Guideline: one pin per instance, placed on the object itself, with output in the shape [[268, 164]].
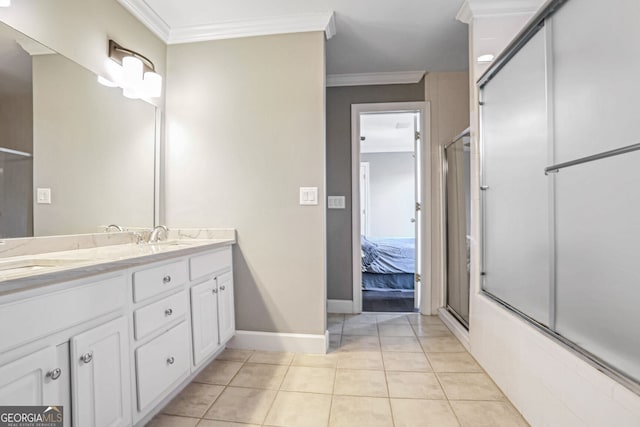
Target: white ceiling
[[372, 36], [387, 132]]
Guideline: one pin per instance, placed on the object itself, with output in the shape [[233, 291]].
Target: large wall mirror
[[74, 155]]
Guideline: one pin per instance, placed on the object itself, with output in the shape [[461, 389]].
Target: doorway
[[387, 160]]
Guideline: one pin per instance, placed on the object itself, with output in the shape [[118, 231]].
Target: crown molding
[[255, 27], [301, 23], [141, 10], [366, 79], [482, 8]]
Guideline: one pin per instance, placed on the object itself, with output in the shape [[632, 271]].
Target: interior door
[[418, 210]]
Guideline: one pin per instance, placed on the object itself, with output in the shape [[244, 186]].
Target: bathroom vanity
[[112, 333]]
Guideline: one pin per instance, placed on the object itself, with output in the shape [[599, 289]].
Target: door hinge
[[418, 277], [418, 206], [417, 135]]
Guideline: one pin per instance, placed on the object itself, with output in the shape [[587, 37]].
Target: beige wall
[[339, 235], [245, 130], [448, 93], [93, 148], [80, 29]]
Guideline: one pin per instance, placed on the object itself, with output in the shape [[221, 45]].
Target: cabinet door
[[226, 311], [204, 314], [101, 376], [33, 380]]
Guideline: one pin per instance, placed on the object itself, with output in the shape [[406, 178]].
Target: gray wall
[[339, 100], [245, 120], [392, 194]]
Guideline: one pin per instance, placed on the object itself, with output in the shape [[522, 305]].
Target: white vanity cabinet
[[160, 347], [39, 378], [100, 376], [212, 304], [61, 349], [204, 323], [113, 348]]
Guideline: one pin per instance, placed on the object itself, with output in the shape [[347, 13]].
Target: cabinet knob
[[222, 288], [170, 360], [168, 312], [87, 357], [166, 279], [215, 291], [54, 374]]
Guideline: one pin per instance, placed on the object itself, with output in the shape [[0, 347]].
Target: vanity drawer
[[29, 319], [202, 265], [159, 279], [159, 314], [160, 363]]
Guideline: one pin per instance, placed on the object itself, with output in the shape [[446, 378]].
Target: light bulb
[[5, 3], [131, 72], [152, 85], [106, 82], [131, 93]]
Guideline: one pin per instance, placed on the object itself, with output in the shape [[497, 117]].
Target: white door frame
[[367, 197], [425, 163]]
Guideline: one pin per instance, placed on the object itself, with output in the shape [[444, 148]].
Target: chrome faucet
[[113, 226], [155, 233]]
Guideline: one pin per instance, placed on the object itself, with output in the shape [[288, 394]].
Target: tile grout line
[[225, 386]]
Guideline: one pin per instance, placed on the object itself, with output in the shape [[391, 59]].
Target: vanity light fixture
[[5, 3], [133, 72]]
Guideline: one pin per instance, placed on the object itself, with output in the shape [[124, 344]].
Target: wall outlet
[[336, 202]]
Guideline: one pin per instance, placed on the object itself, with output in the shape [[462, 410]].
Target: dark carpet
[[387, 301]]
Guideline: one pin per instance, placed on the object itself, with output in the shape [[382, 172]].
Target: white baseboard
[[274, 341], [339, 306], [455, 327]]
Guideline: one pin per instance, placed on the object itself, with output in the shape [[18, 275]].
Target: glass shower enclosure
[[560, 150], [457, 214]]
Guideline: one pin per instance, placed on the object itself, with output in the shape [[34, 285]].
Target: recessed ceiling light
[[482, 59]]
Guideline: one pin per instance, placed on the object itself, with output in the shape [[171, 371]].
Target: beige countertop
[[36, 270]]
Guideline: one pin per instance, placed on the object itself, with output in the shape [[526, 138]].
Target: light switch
[[308, 195], [336, 202], [43, 196]]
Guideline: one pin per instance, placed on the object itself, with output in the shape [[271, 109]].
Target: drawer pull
[[222, 288], [54, 374], [215, 291], [168, 312], [166, 279], [170, 360], [86, 358]]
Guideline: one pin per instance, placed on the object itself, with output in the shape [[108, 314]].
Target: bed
[[388, 264]]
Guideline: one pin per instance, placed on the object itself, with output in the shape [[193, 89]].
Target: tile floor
[[395, 370]]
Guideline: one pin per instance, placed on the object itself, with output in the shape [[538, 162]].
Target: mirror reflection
[[75, 156]]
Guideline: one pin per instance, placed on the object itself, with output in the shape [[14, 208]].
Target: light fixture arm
[[117, 52]]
